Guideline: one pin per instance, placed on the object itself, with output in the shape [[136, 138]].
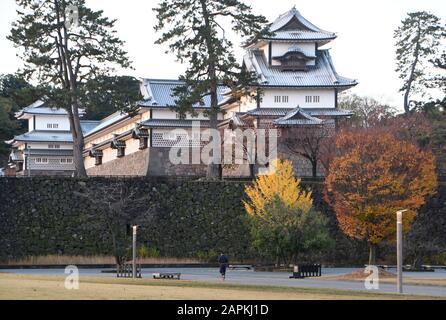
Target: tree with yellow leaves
[[374, 176], [283, 221]]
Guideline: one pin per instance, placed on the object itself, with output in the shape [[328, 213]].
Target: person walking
[[223, 262]]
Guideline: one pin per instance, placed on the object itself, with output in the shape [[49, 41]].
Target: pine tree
[[195, 32], [418, 40], [62, 57]]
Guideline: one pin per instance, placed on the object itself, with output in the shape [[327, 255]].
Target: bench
[[302, 271], [167, 275], [125, 270], [240, 266]]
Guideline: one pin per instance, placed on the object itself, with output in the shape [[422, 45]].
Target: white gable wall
[[62, 121], [31, 124], [280, 48], [297, 97], [44, 145]]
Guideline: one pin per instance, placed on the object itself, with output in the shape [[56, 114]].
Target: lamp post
[[399, 249], [134, 252]]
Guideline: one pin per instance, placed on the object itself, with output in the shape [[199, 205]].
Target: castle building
[[299, 87], [47, 148]]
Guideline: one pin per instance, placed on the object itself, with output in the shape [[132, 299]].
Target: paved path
[[249, 277]]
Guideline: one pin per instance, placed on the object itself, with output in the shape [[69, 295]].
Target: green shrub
[[207, 256], [148, 252]]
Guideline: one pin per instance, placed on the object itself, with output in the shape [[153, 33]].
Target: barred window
[[66, 161], [312, 99], [41, 160]]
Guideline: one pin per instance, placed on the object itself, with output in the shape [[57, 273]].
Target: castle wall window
[[312, 99], [281, 99], [41, 160], [54, 146], [121, 152], [66, 161], [143, 143], [52, 126], [98, 160]]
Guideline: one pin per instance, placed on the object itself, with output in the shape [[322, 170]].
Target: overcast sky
[[363, 50]]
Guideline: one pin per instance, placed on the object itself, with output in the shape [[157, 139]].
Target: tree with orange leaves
[[373, 176]]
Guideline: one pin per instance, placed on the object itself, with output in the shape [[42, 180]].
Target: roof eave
[[330, 38]]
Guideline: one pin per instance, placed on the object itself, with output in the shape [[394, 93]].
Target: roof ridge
[[162, 80], [326, 56]]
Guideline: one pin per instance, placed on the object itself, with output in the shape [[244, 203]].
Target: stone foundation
[[160, 165], [134, 164], [155, 162], [152, 162]]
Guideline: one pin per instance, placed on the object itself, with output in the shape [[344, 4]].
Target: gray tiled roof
[[297, 117], [115, 117], [45, 136], [45, 111], [159, 93], [50, 152], [307, 31], [280, 112], [89, 125], [302, 36], [284, 123], [323, 74], [39, 108], [173, 123]]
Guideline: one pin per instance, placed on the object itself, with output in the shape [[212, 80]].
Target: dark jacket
[[222, 259]]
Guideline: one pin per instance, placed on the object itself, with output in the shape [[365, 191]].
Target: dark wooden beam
[[270, 52], [336, 98]]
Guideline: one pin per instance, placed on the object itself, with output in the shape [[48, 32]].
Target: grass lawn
[[14, 286], [388, 277], [411, 281]]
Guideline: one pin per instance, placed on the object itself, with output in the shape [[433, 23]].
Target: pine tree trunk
[[372, 254], [78, 146], [78, 142], [412, 75], [214, 167]]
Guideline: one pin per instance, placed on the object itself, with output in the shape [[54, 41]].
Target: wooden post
[[399, 249], [134, 253]]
